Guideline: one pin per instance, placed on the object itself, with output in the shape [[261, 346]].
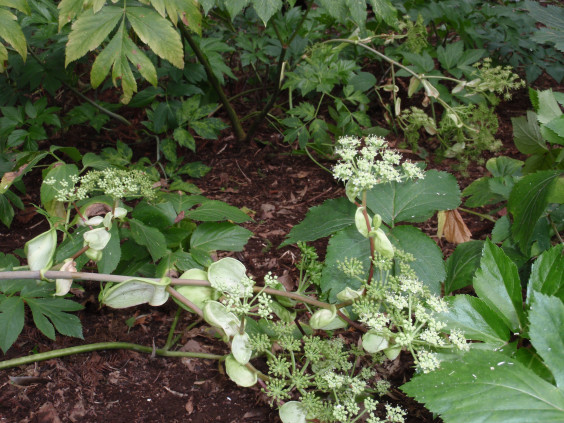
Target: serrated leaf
[[68, 9], [546, 320], [475, 319], [157, 33], [526, 134], [414, 201], [56, 310], [20, 5], [487, 386], [357, 11], [497, 283], [266, 9], [12, 318], [235, 6], [219, 236], [462, 265], [150, 237], [527, 202], [428, 265], [557, 125], [547, 274], [184, 138], [548, 107], [90, 30], [345, 244], [450, 56], [12, 33], [215, 211], [321, 221]]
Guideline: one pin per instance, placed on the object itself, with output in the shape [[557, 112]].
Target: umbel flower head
[[364, 165]]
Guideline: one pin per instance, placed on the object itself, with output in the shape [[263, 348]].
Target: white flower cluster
[[361, 169]]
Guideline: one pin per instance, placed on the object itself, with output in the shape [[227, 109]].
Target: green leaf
[[150, 237], [546, 319], [20, 5], [526, 134], [428, 265], [6, 211], [158, 216], [479, 193], [527, 203], [487, 386], [208, 128], [90, 30], [548, 107], [12, 318], [68, 9], [321, 221], [462, 265], [266, 8], [475, 319], [547, 274], [63, 177], [157, 33], [215, 211], [384, 10], [187, 10], [557, 125], [111, 254], [219, 236], [11, 32], [345, 244], [184, 139], [414, 201], [357, 11], [497, 283], [235, 6], [184, 202], [450, 56]]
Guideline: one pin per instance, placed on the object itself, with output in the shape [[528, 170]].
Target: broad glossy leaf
[[211, 236], [321, 221], [12, 318], [475, 319], [462, 265], [12, 33], [90, 30], [487, 386], [414, 201], [216, 211], [547, 274], [527, 203], [150, 237], [428, 265], [497, 283], [159, 215], [157, 33], [546, 318]]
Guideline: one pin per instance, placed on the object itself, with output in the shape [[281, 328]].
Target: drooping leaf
[[266, 8], [158, 33], [12, 33], [462, 265], [321, 221], [56, 310], [475, 319], [497, 283], [414, 201], [235, 6], [526, 134], [527, 202], [150, 237], [428, 265], [90, 30], [212, 236], [546, 318], [487, 386], [547, 274], [12, 318]]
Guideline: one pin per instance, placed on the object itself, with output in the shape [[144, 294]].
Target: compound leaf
[[56, 310], [11, 32], [12, 318]]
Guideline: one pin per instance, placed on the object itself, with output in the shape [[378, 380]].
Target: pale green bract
[[241, 348], [373, 342], [135, 292], [239, 373], [217, 315], [292, 412], [41, 249], [228, 275], [198, 295]]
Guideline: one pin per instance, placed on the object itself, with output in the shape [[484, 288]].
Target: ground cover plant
[[357, 298]]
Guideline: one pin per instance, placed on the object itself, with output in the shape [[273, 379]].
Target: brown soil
[[279, 186]]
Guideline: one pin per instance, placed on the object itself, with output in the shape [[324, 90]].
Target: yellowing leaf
[[157, 33], [20, 5], [454, 229], [11, 32], [68, 9], [90, 30]]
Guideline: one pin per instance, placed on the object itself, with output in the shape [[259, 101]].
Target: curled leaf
[[217, 315], [241, 348], [62, 286], [382, 244], [360, 222], [372, 342], [227, 275], [196, 294], [453, 227], [239, 373], [134, 292], [41, 249], [292, 412]]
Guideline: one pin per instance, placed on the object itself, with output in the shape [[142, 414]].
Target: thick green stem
[[103, 346], [233, 117]]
